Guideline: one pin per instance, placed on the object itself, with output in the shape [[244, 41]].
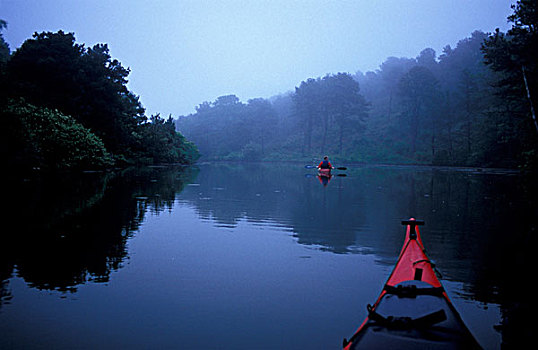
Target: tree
[[391, 71], [346, 105], [53, 71], [306, 101], [262, 118], [4, 47], [226, 100], [218, 128], [333, 100], [513, 56], [79, 89], [4, 57], [418, 89], [465, 82], [35, 137], [163, 144], [428, 58]]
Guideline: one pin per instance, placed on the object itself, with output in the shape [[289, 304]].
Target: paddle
[[315, 166]]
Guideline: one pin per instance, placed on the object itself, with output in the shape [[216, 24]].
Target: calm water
[[235, 256]]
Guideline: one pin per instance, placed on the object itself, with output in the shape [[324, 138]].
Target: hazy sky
[[184, 52]]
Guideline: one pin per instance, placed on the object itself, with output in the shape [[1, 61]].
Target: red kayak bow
[[413, 310]]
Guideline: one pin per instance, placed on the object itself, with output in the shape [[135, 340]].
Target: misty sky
[[184, 52]]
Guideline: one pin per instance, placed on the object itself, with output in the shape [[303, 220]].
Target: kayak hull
[[413, 310], [324, 172]]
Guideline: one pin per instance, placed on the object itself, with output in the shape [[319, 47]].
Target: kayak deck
[[413, 311], [324, 172]]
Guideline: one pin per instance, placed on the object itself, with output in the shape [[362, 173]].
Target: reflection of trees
[[279, 195], [480, 231], [478, 225], [468, 214], [319, 218], [5, 293], [72, 231]]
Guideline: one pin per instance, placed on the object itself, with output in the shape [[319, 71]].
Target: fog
[[182, 53]]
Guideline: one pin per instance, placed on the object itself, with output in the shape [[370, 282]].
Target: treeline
[[467, 106], [289, 126], [65, 106], [439, 110]]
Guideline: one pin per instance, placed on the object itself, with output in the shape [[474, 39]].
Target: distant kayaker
[[325, 164]]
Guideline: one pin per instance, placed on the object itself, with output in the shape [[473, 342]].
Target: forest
[[67, 107], [470, 105]]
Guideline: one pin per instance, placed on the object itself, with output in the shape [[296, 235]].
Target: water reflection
[[479, 225], [477, 221], [73, 230]]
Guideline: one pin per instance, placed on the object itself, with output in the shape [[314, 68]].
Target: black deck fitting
[[413, 223]]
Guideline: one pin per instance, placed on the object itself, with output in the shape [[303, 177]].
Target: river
[[248, 255]]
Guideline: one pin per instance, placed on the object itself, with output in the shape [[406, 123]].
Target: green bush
[[160, 142], [47, 139]]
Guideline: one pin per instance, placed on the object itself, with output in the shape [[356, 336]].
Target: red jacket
[[327, 166]]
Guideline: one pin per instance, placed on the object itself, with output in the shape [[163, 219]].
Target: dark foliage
[[471, 106], [230, 129], [46, 139], [82, 91], [513, 57]]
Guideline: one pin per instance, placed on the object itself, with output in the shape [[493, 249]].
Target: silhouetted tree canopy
[[468, 106], [513, 56], [230, 129], [4, 47], [4, 57], [472, 105], [52, 73]]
